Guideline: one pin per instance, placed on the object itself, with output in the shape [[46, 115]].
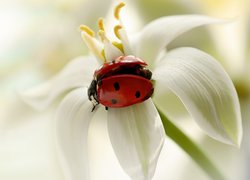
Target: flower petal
[[159, 33], [94, 46], [125, 40], [137, 136], [77, 73], [72, 123], [111, 52], [205, 89]]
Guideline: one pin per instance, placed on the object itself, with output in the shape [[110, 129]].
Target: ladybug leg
[[93, 108], [106, 108], [95, 102]]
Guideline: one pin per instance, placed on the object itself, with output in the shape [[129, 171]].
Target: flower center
[[103, 48], [122, 80]]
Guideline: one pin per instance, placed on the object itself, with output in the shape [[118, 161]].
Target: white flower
[[136, 132]]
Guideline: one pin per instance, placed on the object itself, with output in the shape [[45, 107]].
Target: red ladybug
[[120, 83]]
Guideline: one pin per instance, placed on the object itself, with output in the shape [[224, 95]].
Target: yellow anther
[[101, 24], [116, 31], [118, 45], [118, 9], [87, 30]]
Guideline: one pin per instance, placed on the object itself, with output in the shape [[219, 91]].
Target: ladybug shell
[[123, 90], [119, 63]]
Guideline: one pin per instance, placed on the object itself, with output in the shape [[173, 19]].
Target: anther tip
[[118, 9], [87, 30], [116, 31], [101, 24]]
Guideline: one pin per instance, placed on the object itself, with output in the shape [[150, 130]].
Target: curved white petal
[[72, 123], [77, 73], [125, 40], [94, 46], [159, 33], [111, 52], [137, 136], [205, 89]]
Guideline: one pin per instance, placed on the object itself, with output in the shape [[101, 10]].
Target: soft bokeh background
[[37, 38]]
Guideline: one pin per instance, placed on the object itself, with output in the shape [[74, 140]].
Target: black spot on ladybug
[[114, 101], [137, 94], [99, 83], [116, 86]]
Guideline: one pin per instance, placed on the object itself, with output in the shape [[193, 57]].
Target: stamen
[[101, 24], [102, 35], [118, 45], [103, 54], [88, 30], [118, 9], [116, 31], [93, 44]]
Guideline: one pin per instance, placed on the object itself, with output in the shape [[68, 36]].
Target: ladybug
[[122, 82]]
